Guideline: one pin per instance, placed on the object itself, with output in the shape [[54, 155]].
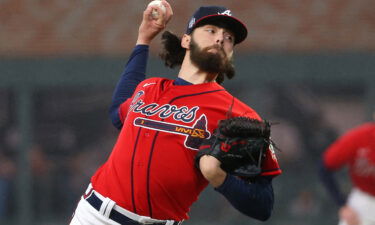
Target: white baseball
[[158, 3]]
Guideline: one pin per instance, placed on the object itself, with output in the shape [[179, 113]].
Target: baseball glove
[[240, 144]]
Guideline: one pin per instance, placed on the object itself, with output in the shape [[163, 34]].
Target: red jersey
[[356, 149], [151, 169]]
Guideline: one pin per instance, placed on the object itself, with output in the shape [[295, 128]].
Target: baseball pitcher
[[178, 136]]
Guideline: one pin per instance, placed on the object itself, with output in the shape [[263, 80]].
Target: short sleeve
[[343, 150]]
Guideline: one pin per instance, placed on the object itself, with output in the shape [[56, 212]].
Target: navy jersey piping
[[153, 147], [148, 174], [132, 171]]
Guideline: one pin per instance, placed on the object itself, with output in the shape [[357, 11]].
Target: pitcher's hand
[[150, 27]]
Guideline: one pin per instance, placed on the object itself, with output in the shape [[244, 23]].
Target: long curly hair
[[173, 53]]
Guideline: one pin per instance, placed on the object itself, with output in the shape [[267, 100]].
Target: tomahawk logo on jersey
[[154, 115]]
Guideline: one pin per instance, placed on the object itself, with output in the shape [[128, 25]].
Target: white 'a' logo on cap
[[226, 12], [191, 23]]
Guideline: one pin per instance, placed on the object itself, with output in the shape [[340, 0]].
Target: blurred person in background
[[8, 170], [150, 176], [7, 175], [355, 149]]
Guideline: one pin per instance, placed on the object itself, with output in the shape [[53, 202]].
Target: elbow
[[265, 215], [262, 211], [264, 207], [117, 124], [115, 117], [261, 215]]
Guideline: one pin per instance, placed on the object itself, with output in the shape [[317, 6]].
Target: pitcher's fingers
[[147, 14], [161, 19], [168, 11]]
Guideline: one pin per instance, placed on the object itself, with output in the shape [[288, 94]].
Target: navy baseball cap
[[214, 14]]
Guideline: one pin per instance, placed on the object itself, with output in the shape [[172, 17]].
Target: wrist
[[142, 41], [210, 169]]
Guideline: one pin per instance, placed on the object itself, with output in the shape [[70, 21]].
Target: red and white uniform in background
[[151, 168], [357, 150]]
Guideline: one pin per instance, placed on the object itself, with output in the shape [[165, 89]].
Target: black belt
[[115, 215]]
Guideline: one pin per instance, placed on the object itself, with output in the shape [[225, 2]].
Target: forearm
[[331, 184], [133, 74], [136, 67], [252, 199]]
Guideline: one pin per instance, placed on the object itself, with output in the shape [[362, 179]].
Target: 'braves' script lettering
[[182, 113]]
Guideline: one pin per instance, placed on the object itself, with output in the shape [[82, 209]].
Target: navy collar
[[180, 81]]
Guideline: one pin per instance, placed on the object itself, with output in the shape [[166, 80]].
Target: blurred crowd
[[69, 142]]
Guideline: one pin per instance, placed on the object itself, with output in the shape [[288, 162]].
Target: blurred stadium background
[[308, 64]]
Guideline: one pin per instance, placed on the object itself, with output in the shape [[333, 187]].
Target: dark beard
[[213, 63]]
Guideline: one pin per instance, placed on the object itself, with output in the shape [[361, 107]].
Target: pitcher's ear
[[185, 41]]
